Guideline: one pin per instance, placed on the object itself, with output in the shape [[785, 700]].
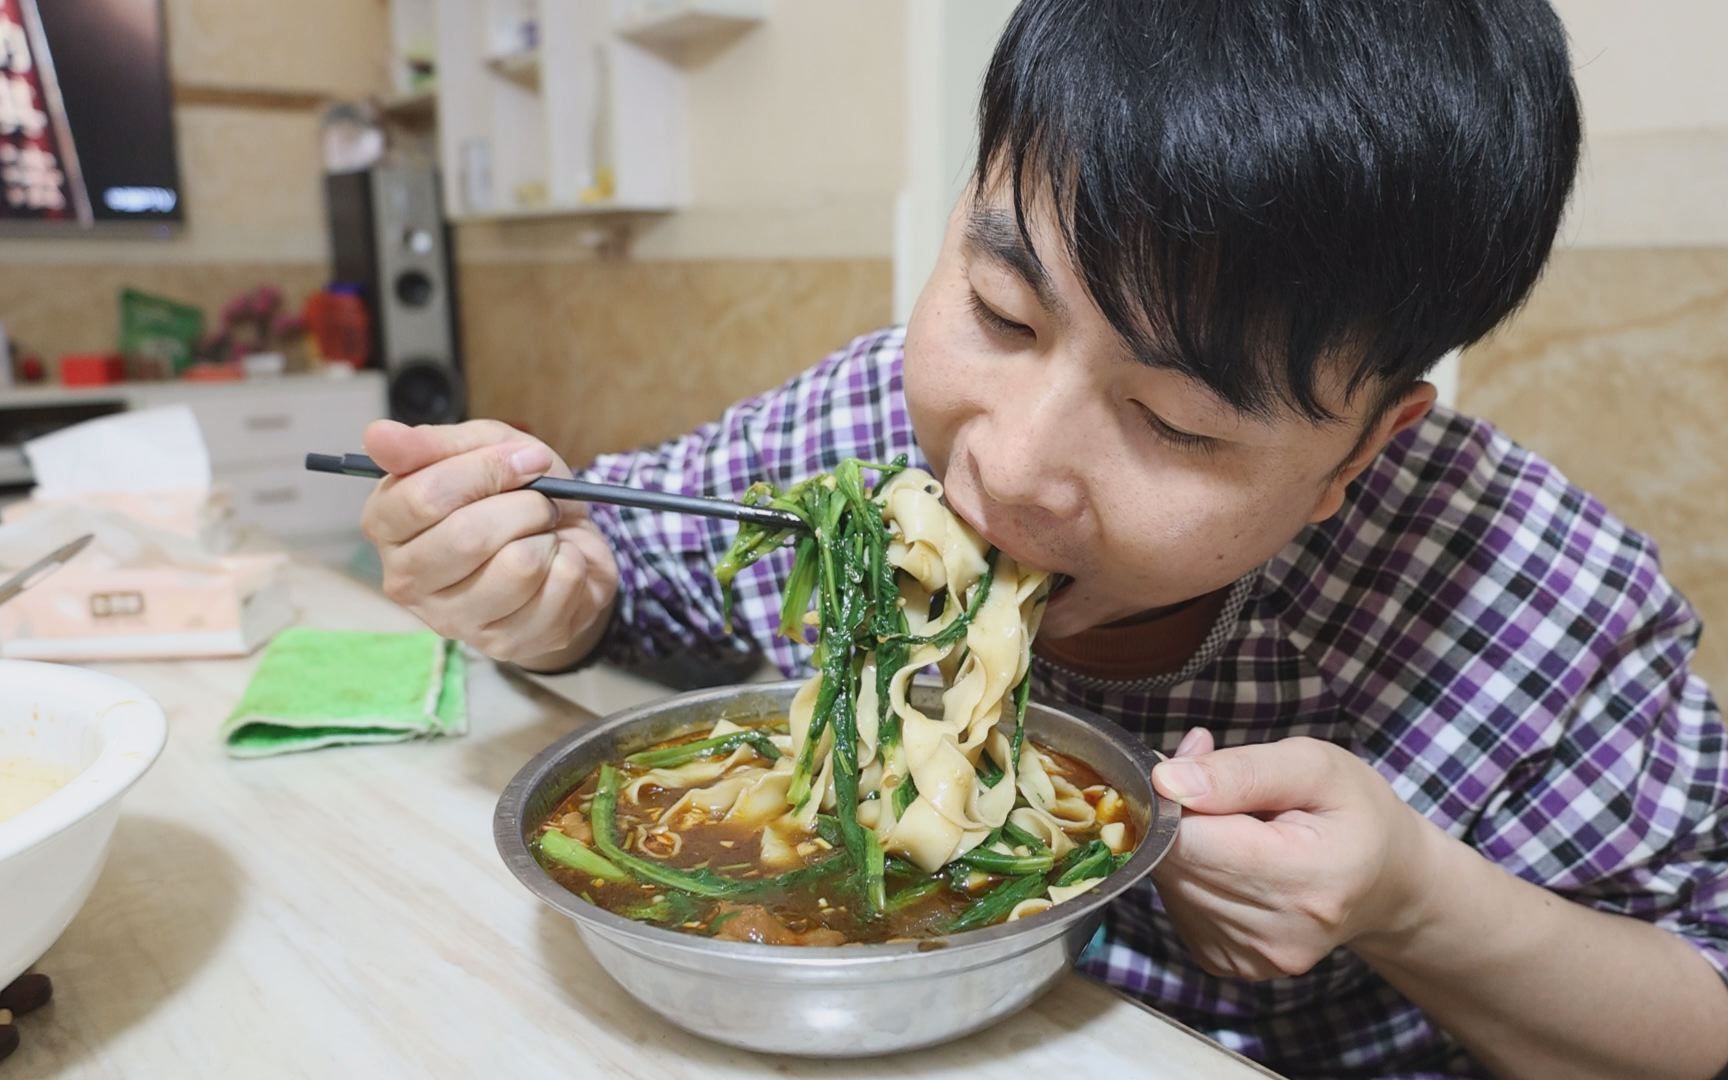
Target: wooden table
[[343, 913]]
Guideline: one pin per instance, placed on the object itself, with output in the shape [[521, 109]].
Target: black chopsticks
[[583, 491]]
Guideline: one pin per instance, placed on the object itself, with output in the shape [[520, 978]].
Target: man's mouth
[[1059, 580], [1059, 604]]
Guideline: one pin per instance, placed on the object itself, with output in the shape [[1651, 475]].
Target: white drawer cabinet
[[258, 433], [268, 429], [294, 504]]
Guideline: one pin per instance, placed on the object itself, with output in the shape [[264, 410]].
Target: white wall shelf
[[605, 209], [565, 107], [522, 67], [547, 108], [417, 108], [671, 24]]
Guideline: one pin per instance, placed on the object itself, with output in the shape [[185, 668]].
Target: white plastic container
[[107, 733]]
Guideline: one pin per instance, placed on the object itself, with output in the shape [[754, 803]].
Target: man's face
[[1071, 455]]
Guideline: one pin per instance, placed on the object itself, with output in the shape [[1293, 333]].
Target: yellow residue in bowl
[[24, 782]]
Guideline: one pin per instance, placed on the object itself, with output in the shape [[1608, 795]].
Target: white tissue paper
[[150, 465], [146, 450], [159, 578]]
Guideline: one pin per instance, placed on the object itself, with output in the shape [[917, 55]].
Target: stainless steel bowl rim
[[509, 834], [796, 970]]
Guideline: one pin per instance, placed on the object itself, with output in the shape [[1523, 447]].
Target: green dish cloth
[[334, 687]]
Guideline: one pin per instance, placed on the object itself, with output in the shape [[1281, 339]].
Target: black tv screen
[[86, 113]]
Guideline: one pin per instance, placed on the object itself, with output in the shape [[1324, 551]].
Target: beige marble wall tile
[[1652, 189], [805, 105], [602, 356], [1617, 371], [57, 309], [335, 47], [844, 225], [253, 183]]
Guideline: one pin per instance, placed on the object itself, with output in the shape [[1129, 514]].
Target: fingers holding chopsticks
[[436, 471], [576, 587], [401, 449], [478, 559], [472, 535]]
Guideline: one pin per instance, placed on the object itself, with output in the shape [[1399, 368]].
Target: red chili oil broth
[[825, 912]]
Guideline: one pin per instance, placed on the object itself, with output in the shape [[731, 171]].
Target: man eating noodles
[[1455, 803]]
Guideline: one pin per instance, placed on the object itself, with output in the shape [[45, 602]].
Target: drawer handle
[[268, 422], [276, 496]]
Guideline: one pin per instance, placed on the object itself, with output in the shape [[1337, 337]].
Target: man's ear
[[1406, 412]]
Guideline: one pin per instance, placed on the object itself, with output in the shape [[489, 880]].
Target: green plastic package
[[158, 337]]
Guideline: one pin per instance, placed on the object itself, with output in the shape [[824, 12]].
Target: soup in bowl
[[791, 978]]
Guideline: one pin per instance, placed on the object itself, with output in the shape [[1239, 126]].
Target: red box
[[92, 369]]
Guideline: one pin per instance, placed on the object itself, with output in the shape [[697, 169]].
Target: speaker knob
[[426, 391], [414, 288]]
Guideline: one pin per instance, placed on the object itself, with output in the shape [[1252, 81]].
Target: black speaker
[[388, 237]]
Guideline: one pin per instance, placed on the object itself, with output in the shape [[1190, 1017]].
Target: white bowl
[[106, 732]]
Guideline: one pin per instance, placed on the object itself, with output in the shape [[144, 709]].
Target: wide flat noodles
[[954, 811], [1057, 894], [937, 555], [764, 798], [713, 800], [730, 782], [997, 654], [822, 784], [1052, 794], [931, 543], [691, 774], [1044, 827]]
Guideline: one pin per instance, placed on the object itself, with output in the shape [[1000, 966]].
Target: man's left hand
[[1286, 851]]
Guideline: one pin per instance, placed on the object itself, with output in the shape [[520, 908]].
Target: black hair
[[1249, 188]]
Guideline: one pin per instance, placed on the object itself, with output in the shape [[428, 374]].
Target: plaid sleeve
[[669, 604], [1626, 810]]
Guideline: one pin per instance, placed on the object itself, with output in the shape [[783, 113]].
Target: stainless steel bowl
[[848, 1000]]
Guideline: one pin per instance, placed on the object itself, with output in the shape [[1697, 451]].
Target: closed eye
[[1175, 436], [995, 320]]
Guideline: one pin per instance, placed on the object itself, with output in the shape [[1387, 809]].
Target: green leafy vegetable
[[670, 756], [668, 908], [912, 895], [904, 793], [1018, 837], [997, 903], [995, 862], [899, 867], [989, 773], [828, 828], [1091, 861], [574, 854], [1022, 695]]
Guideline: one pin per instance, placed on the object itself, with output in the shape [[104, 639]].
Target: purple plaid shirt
[[1502, 650]]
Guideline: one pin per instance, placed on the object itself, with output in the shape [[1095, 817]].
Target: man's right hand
[[520, 577]]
